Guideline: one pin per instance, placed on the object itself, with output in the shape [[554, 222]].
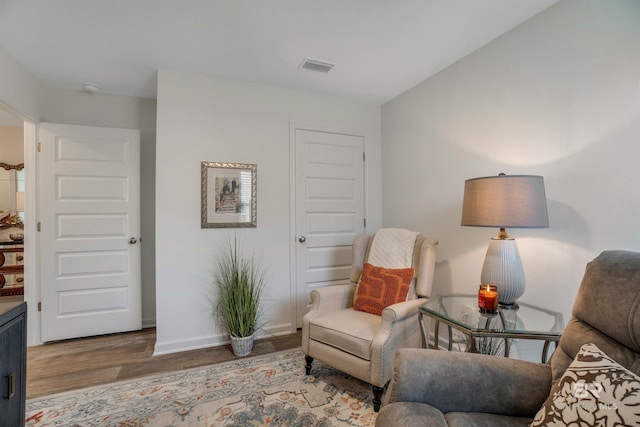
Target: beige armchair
[[360, 343]]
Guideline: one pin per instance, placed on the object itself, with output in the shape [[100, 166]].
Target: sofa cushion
[[349, 330], [619, 273], [380, 287], [410, 414], [483, 419], [594, 390]]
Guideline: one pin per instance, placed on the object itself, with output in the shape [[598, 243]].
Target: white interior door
[[89, 199], [329, 205]]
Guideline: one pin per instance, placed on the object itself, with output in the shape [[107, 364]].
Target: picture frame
[[228, 195]]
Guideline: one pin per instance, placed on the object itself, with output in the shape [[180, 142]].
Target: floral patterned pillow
[[593, 391]]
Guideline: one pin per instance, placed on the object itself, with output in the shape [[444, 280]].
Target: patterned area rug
[[256, 391]]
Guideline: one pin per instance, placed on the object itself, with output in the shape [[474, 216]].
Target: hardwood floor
[[72, 364]]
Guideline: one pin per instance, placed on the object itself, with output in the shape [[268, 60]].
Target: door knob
[[133, 241], [302, 239]]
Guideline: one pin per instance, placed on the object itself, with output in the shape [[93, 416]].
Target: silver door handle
[[133, 241], [302, 239]]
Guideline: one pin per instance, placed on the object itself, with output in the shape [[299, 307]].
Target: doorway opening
[[12, 196], [19, 123]]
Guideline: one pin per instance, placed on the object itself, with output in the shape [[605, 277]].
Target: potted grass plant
[[239, 282]]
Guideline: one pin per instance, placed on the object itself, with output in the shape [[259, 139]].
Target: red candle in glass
[[488, 298]]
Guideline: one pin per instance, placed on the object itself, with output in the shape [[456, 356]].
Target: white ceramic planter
[[241, 346]]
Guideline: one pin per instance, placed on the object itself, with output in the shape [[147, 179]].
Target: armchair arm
[[402, 310], [398, 328], [324, 300], [331, 298], [467, 382]]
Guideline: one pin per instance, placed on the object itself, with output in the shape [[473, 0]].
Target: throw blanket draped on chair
[[392, 248]]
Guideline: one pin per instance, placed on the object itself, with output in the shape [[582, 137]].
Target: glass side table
[[484, 332]]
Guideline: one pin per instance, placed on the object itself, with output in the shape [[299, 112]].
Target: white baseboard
[[196, 343], [176, 346]]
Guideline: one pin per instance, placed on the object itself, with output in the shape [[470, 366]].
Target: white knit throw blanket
[[392, 248]]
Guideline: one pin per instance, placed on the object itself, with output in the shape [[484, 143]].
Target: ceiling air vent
[[316, 65]]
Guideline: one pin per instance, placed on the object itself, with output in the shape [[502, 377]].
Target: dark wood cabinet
[[13, 363]]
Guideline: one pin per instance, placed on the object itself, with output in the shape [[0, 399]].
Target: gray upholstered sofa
[[438, 388]]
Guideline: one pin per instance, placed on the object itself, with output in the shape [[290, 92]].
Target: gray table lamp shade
[[505, 201]]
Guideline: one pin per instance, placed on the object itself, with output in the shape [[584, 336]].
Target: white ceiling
[[381, 48]]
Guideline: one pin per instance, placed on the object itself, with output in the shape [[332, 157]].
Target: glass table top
[[462, 311]]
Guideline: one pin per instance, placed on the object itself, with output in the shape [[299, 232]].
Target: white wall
[[80, 108], [202, 118], [19, 89], [558, 96]]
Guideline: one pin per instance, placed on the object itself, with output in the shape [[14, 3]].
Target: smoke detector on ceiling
[[91, 87], [316, 65]]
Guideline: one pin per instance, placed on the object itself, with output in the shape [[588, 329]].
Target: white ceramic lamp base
[[503, 268]]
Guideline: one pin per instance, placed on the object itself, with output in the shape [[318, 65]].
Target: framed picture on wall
[[228, 196]]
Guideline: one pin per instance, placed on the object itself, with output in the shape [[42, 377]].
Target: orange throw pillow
[[380, 287]]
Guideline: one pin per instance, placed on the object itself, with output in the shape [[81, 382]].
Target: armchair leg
[[307, 367], [377, 397]]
